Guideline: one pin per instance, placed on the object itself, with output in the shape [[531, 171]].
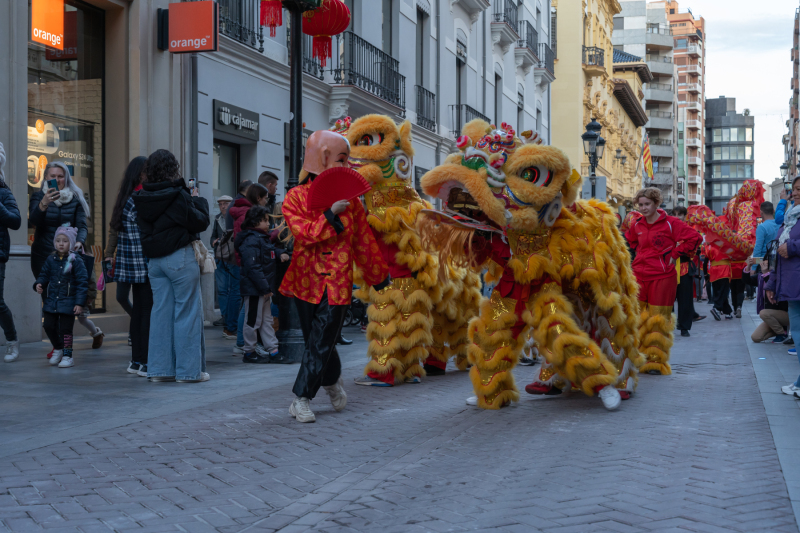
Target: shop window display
[[65, 112]]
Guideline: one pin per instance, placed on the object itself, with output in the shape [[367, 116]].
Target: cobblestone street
[[710, 448]]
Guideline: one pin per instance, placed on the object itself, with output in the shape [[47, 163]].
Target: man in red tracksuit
[[658, 240]]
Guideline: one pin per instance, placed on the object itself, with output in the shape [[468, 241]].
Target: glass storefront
[[226, 171], [65, 111]]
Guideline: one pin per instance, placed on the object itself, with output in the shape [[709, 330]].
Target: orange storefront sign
[[193, 27], [47, 22]]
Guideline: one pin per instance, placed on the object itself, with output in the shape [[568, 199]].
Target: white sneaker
[[12, 352], [472, 400], [238, 350], [56, 358], [790, 389], [301, 410], [66, 362], [610, 396], [337, 394], [204, 376], [261, 351]]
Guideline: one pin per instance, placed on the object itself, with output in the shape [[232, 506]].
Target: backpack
[[224, 250]]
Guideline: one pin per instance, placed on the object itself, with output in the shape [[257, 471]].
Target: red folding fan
[[335, 184]]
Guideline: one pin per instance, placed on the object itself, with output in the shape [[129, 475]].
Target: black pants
[[721, 289], [685, 303], [140, 321], [321, 324], [737, 292], [59, 330]]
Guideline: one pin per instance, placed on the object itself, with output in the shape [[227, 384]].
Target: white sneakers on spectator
[[12, 352], [66, 362], [301, 410], [610, 396], [238, 350], [56, 357], [337, 394], [790, 389]]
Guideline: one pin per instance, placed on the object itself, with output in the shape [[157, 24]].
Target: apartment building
[[642, 29], [793, 124], [689, 57], [609, 85], [730, 154], [437, 63]]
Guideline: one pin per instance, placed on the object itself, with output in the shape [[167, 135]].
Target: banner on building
[[648, 160]]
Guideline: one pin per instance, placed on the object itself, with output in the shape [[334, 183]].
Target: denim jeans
[[230, 299], [794, 327], [6, 318], [177, 344], [240, 330]]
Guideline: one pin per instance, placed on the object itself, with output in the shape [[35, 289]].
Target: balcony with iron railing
[[460, 114], [239, 20], [545, 70], [594, 59], [527, 46], [426, 108], [361, 64], [505, 23]]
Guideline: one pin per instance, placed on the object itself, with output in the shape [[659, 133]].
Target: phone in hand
[[52, 184], [191, 183]]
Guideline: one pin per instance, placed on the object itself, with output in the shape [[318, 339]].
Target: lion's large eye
[[370, 139], [537, 175]]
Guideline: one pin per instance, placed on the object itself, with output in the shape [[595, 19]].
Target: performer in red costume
[[658, 241], [320, 277]]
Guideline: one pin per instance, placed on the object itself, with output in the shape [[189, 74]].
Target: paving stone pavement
[[689, 452]]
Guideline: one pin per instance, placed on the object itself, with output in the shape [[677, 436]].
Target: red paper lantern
[[271, 15], [332, 18]]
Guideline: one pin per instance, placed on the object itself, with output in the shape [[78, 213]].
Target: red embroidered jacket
[[325, 249]]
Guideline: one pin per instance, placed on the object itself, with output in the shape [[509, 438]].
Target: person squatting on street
[[131, 265], [658, 240], [63, 284], [782, 285], [170, 218], [258, 284], [10, 218], [320, 277]]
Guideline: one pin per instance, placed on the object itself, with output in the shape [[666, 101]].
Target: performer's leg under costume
[[722, 287], [685, 303], [656, 298], [399, 331], [320, 367], [737, 293]]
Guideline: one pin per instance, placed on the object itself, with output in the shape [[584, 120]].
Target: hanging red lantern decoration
[[332, 18], [271, 15]]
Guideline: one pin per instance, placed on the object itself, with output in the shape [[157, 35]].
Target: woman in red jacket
[[658, 240]]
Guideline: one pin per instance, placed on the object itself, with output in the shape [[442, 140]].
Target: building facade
[[611, 92], [793, 124], [642, 29], [112, 94], [689, 56], [729, 151]]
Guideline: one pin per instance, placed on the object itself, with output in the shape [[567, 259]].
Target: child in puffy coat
[[63, 282], [257, 284]]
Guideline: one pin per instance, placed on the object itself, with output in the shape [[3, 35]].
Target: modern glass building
[[729, 151]]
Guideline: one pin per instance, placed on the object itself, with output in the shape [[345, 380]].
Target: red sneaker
[[51, 353], [625, 395]]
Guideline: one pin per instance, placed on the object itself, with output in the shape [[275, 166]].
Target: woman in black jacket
[[50, 209], [170, 217], [9, 219]]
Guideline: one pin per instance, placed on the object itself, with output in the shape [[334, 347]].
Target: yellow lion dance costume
[[417, 323], [564, 270]]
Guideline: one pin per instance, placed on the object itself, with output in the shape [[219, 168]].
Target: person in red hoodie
[[658, 240]]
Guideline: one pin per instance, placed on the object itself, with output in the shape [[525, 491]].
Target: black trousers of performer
[[686, 312], [737, 293], [320, 367], [140, 321], [722, 287]]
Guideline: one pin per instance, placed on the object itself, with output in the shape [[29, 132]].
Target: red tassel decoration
[[322, 48], [271, 15]]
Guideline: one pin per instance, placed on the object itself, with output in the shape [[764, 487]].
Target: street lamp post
[[593, 146]]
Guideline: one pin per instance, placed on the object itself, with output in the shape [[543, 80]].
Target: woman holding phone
[[59, 203]]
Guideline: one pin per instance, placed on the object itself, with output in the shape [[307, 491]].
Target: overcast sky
[[748, 57]]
